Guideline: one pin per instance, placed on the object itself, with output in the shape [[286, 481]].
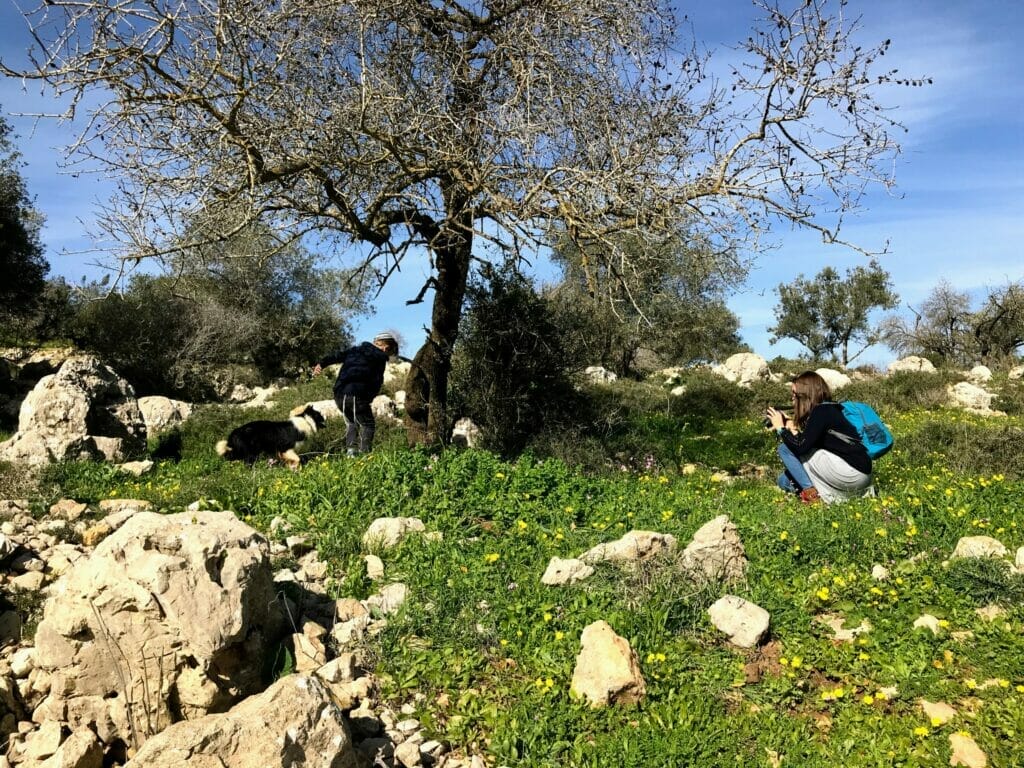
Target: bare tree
[[412, 125]]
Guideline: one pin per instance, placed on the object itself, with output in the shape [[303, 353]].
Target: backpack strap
[[845, 438]]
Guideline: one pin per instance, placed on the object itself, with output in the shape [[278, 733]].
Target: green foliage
[[247, 306], [669, 304], [510, 370], [829, 313], [22, 264], [492, 650]]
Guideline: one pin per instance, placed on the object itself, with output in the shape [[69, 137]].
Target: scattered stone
[[912, 364], [937, 712], [294, 722], [633, 547], [716, 554], [607, 669], [385, 409], [979, 546], [991, 612], [979, 374], [678, 391], [745, 623], [94, 534], [570, 571], [408, 754], [841, 634], [880, 572], [310, 651], [970, 397], [836, 380], [123, 508], [340, 670], [162, 413], [80, 750], [298, 545], [1018, 560], [465, 433], [599, 375], [1017, 372], [347, 608], [374, 567], [386, 532], [43, 742], [928, 622], [28, 582], [23, 662], [388, 600], [136, 468], [966, 752], [68, 509]]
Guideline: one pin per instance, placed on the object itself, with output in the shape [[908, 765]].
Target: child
[[360, 380]]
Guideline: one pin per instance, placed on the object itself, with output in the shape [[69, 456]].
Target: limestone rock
[[293, 723], [466, 433], [385, 409], [387, 532], [68, 509], [966, 752], [937, 712], [927, 621], [716, 553], [162, 413], [839, 633], [162, 595], [80, 750], [568, 571], [912, 364], [84, 411], [607, 669], [599, 375], [836, 380], [970, 397], [388, 600], [1015, 373], [744, 368], [633, 547], [979, 374], [395, 373], [745, 623], [136, 468], [979, 546]]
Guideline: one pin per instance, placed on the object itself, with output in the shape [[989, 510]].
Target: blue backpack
[[874, 435]]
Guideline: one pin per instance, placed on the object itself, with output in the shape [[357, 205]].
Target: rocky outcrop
[[970, 397], [836, 380], [292, 723], [744, 368], [84, 411], [912, 364], [170, 617], [163, 413]]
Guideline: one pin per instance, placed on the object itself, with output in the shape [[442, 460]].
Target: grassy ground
[[492, 650]]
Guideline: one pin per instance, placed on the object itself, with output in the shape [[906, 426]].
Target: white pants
[[835, 479]]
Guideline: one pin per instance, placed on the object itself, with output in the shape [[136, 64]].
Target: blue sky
[[956, 213]]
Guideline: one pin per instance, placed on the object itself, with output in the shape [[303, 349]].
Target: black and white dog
[[278, 438]]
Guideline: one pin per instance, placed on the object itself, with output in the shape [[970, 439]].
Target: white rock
[[567, 571], [969, 397], [466, 433], [745, 623], [928, 621], [386, 532], [836, 380], [632, 547], [599, 375], [607, 670], [979, 546], [879, 572], [744, 368], [912, 364], [979, 374], [716, 553]]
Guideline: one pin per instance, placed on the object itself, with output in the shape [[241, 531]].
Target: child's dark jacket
[[362, 370]]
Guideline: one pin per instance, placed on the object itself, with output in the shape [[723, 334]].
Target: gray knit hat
[[386, 336]]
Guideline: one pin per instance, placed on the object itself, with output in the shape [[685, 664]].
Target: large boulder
[[170, 618], [911, 364], [836, 380], [970, 397], [293, 723], [84, 411], [162, 413], [744, 368]]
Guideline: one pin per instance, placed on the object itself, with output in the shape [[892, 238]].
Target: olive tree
[[434, 127], [829, 313]]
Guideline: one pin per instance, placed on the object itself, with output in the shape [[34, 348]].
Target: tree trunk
[[452, 251]]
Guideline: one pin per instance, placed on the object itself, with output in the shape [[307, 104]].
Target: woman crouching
[[820, 450]]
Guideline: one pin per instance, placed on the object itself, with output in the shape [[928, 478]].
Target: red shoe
[[809, 496]]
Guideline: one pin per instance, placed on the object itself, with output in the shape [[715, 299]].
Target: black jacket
[[362, 370], [815, 434]]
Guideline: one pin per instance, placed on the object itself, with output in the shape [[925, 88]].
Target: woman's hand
[[776, 417]]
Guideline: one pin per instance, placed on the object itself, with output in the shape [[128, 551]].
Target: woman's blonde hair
[[809, 390]]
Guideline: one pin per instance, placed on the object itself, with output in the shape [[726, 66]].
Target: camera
[[766, 422]]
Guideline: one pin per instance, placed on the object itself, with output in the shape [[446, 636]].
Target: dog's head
[[315, 415]]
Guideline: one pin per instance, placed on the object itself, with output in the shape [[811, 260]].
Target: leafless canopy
[[396, 123]]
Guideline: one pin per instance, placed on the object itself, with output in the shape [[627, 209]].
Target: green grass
[[493, 650]]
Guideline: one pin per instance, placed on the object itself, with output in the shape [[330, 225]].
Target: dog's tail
[[223, 449]]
